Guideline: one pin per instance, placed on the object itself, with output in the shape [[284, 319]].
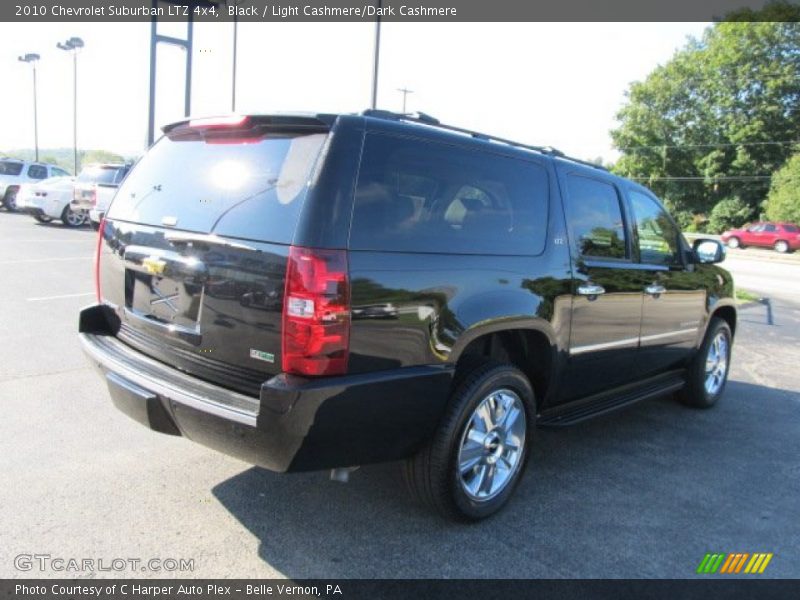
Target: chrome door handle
[[655, 289], [590, 289]]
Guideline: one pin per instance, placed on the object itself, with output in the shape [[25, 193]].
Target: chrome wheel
[[492, 445], [717, 364], [73, 218], [733, 242], [781, 246]]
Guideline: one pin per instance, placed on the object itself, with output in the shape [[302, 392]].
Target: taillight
[[316, 312], [97, 260]]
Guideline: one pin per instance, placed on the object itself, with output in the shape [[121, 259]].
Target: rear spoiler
[[306, 123]]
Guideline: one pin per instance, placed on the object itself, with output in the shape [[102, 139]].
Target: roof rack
[[425, 119]]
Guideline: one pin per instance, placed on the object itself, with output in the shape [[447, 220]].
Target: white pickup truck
[[95, 188]]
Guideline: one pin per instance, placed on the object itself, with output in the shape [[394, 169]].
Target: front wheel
[[734, 242], [470, 468], [10, 199], [781, 246], [42, 218], [708, 373]]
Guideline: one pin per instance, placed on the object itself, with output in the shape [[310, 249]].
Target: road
[[641, 493]]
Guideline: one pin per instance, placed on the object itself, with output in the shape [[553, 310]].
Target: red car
[[783, 237]]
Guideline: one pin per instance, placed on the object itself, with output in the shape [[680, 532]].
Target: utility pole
[[33, 59], [405, 92], [73, 44], [376, 57]]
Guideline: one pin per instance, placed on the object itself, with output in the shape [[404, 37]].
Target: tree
[[783, 203], [729, 213], [714, 121], [100, 156]]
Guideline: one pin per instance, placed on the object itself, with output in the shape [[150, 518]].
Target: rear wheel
[[10, 199], [781, 246], [734, 242], [72, 218], [708, 373], [475, 460]]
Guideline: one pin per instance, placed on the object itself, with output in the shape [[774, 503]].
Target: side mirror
[[708, 251]]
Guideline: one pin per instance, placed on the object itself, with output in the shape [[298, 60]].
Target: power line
[[718, 145]]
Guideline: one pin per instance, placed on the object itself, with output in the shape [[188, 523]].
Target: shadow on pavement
[[645, 493]]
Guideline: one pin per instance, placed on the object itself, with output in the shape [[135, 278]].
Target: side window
[[418, 196], [59, 172], [755, 228], [770, 228], [594, 217], [658, 236], [37, 172]]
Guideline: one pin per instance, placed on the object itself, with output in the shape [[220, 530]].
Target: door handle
[[590, 289], [655, 289]]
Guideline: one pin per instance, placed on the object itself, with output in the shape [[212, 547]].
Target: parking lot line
[[60, 296], [39, 260]]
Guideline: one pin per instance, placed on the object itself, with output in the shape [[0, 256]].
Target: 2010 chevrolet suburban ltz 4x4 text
[[324, 291]]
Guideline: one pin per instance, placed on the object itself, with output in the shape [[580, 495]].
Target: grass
[[743, 296]]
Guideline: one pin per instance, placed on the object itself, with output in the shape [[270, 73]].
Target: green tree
[[729, 213], [713, 122], [783, 203], [100, 156]]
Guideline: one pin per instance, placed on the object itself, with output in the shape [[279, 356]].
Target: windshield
[[10, 168], [98, 175], [250, 188]]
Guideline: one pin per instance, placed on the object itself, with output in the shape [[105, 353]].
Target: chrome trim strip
[[669, 334], [162, 388], [604, 346]]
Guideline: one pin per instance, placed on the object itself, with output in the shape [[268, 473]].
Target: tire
[[702, 390], [43, 218], [781, 246], [10, 199], [72, 219], [734, 242], [494, 465]]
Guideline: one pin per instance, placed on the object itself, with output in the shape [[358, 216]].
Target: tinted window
[[595, 218], [59, 172], [790, 228], [770, 228], [37, 172], [658, 236], [98, 175], [249, 189], [10, 168], [415, 196]]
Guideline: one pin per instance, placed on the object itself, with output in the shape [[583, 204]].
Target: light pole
[[405, 92], [376, 57], [33, 59], [73, 44]]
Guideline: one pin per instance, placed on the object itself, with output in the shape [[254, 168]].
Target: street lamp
[[73, 44], [33, 59]]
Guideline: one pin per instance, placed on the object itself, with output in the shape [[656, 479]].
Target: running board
[[580, 410]]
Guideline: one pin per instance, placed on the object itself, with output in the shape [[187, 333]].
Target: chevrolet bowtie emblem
[[154, 265]]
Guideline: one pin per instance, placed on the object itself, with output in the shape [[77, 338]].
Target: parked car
[[783, 237], [50, 199], [14, 173], [537, 290], [95, 188]]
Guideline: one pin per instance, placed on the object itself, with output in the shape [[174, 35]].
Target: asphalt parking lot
[[641, 493]]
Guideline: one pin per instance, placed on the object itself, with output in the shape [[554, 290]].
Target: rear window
[[416, 196], [790, 228], [249, 189], [10, 168], [98, 175]]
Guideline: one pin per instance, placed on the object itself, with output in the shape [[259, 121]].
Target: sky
[[556, 84]]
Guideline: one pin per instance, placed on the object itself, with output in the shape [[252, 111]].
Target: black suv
[[324, 291]]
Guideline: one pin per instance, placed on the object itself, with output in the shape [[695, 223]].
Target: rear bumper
[[296, 424]]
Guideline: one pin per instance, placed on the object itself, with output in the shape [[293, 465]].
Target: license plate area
[[175, 305]]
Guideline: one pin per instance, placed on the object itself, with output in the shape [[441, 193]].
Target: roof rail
[[425, 119]]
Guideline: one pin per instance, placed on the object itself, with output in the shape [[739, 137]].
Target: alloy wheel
[[492, 445], [717, 364]]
